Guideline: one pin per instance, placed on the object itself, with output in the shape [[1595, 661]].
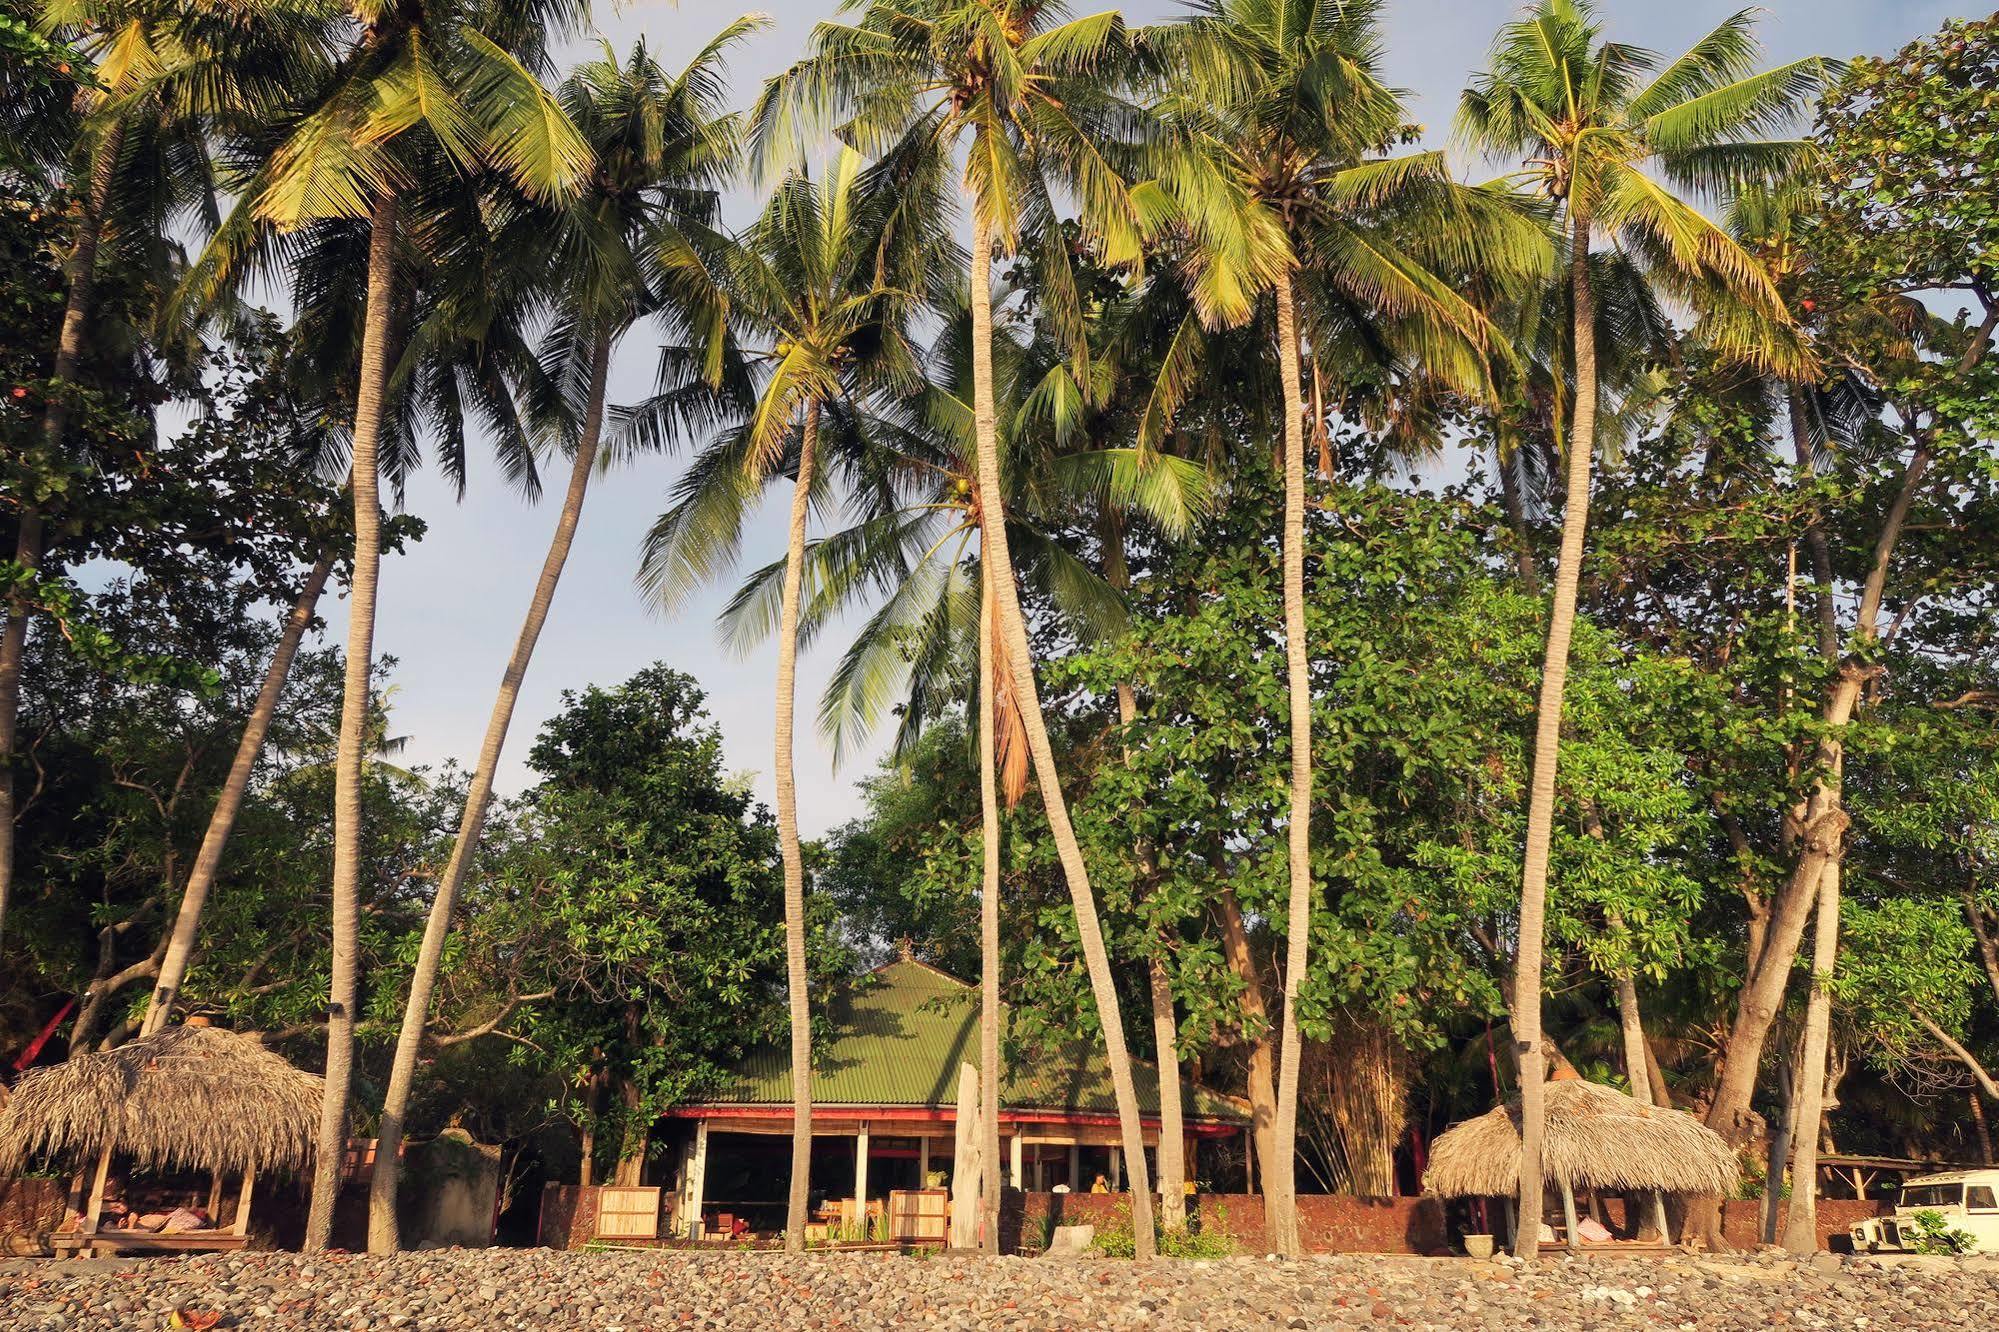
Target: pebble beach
[[549, 1291]]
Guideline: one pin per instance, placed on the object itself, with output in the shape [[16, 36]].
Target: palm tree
[[1588, 123], [1033, 99], [1276, 125], [829, 276], [661, 145], [163, 78], [424, 90]]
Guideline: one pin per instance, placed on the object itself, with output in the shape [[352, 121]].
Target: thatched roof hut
[[192, 1097], [1597, 1138]]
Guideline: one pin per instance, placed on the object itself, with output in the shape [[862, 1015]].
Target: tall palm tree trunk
[[794, 861], [1801, 1232], [344, 987], [81, 278], [228, 804], [1547, 745], [1280, 1175], [1171, 1154], [989, 925], [1013, 642], [1172, 1150], [383, 1235]]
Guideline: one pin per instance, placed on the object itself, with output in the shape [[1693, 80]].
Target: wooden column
[[1569, 1213], [861, 1178], [241, 1225], [697, 1178], [214, 1197], [923, 1162], [1659, 1218], [1019, 1174], [1076, 1169], [1117, 1170], [95, 1207]]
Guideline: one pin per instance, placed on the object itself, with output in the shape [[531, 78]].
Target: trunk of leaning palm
[[1823, 832], [1637, 1071], [383, 1235], [989, 929], [1280, 1188], [1815, 539], [1547, 744], [1019, 662], [1808, 1096], [344, 982], [1631, 1025], [228, 804], [1821, 842], [1260, 1079], [1172, 1152], [1801, 1232], [794, 863], [81, 277]]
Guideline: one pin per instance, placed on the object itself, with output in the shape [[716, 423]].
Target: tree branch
[[490, 1025], [1964, 1056]]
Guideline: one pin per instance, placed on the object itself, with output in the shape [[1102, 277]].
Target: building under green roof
[[886, 1079]]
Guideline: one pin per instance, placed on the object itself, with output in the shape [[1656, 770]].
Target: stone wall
[[1742, 1222], [568, 1215], [1328, 1223]]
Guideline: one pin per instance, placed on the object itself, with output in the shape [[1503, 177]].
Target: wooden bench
[[114, 1243]]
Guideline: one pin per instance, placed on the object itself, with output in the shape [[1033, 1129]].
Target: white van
[[1966, 1199]]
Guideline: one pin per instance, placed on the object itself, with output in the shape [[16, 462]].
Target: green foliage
[[1198, 1239], [636, 889], [1933, 1233]]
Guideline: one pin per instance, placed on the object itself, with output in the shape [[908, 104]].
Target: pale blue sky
[[451, 606]]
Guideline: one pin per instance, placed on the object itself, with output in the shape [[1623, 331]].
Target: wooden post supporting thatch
[[1568, 1214], [1659, 1217], [95, 1209], [241, 1225], [214, 1196]]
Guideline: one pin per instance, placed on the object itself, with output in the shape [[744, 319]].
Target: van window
[[1933, 1195], [1978, 1198]]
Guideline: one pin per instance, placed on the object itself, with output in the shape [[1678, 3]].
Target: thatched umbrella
[[191, 1097], [185, 1097], [1597, 1138]]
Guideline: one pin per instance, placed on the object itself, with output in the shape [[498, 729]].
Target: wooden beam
[[861, 1180], [95, 1207], [1569, 1212], [697, 1178], [241, 1225]]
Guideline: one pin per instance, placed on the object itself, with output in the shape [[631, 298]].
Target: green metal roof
[[898, 1037]]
